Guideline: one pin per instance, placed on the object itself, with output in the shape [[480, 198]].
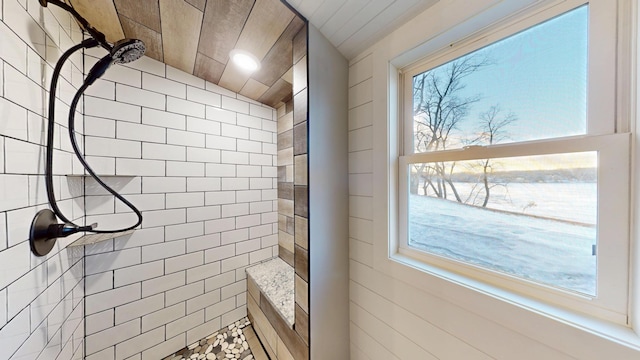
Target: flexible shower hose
[[89, 43]]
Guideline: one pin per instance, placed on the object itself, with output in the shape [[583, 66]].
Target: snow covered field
[[552, 252]]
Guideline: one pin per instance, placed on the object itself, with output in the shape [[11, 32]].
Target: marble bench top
[[275, 279]]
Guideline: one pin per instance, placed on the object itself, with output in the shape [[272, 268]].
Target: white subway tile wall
[[198, 160], [41, 299], [207, 191]]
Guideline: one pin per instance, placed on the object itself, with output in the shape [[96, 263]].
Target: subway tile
[[232, 157], [270, 125], [185, 138], [164, 184], [99, 321], [163, 317], [183, 231], [221, 142], [112, 336], [137, 167], [135, 344], [23, 158], [106, 354], [203, 155], [97, 146], [162, 284], [14, 334], [235, 105], [23, 91], [186, 323], [15, 119], [144, 202], [185, 107], [101, 127], [260, 183], [163, 85], [235, 262], [231, 290], [12, 49], [248, 246], [14, 191], [247, 221], [184, 262], [260, 255], [161, 350], [203, 96], [140, 132], [3, 236], [260, 231], [24, 290], [261, 159], [149, 65], [111, 298], [203, 242], [163, 119], [175, 168], [261, 135], [113, 260], [139, 308], [234, 131], [249, 121], [138, 273], [15, 263], [220, 308], [102, 165], [124, 75], [220, 170], [140, 237], [221, 115], [219, 253], [98, 283], [137, 96], [231, 210], [111, 109], [185, 78], [203, 272], [235, 184], [203, 301], [219, 225], [163, 152], [163, 250], [248, 195], [184, 293], [219, 198], [261, 111], [249, 146], [203, 213], [197, 125], [200, 331], [219, 90], [219, 280], [269, 149], [103, 89], [203, 184]]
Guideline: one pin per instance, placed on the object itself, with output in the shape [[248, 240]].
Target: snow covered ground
[[552, 252]]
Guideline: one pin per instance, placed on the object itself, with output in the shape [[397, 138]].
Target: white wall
[[200, 162], [328, 199], [41, 308], [395, 318]]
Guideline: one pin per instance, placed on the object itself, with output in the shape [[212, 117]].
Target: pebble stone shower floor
[[236, 341]]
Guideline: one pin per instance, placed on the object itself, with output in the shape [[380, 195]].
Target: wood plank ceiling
[[196, 36]]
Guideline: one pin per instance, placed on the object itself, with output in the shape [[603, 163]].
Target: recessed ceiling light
[[244, 60]]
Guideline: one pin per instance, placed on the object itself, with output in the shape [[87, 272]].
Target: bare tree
[[438, 109], [493, 131]]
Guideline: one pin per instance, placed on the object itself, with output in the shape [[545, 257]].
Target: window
[[510, 173]]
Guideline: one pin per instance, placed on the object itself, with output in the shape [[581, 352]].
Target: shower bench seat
[[271, 307]]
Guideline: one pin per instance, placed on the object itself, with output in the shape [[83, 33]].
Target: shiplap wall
[[200, 162], [41, 307], [392, 318]]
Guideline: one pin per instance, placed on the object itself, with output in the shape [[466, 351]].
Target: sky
[[539, 74]]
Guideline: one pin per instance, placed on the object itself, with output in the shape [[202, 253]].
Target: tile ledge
[[275, 279]]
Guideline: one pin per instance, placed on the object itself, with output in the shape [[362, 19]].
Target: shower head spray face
[[127, 50]]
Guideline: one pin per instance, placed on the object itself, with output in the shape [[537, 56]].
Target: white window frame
[[612, 301]]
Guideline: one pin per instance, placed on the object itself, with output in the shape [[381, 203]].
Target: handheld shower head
[[127, 50]]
